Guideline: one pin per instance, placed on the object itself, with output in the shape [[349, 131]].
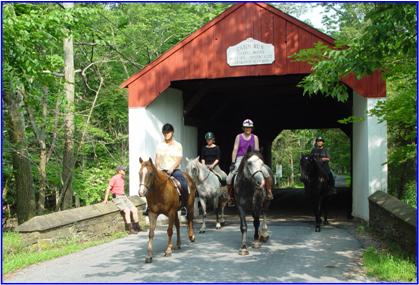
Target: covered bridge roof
[[202, 55]]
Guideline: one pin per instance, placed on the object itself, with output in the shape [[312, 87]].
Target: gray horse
[[209, 189], [250, 192]]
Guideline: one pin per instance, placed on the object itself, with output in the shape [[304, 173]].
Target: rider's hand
[[170, 171]]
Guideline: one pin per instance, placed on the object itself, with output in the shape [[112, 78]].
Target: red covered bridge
[[198, 88]]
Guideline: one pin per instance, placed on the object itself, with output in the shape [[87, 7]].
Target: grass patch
[[389, 265], [16, 255]]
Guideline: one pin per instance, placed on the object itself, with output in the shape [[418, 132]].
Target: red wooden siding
[[203, 53]]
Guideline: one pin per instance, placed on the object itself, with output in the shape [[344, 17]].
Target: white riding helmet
[[248, 123]]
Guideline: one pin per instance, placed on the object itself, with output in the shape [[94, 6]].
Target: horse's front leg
[[317, 213], [243, 228], [256, 224], [172, 217], [177, 225], [153, 221], [217, 213], [325, 209], [264, 235], [204, 215]]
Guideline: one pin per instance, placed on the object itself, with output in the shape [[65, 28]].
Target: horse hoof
[[256, 244], [167, 254], [192, 238], [218, 226], [201, 231], [148, 259], [264, 238], [317, 229], [243, 251], [326, 222], [177, 247]]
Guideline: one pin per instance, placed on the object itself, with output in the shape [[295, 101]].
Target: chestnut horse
[[163, 198]]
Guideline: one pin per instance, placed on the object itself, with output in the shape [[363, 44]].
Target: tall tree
[[25, 195], [68, 157]]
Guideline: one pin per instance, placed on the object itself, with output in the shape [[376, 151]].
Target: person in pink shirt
[[117, 188]]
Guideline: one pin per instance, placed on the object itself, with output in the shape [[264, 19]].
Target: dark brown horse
[[163, 198]]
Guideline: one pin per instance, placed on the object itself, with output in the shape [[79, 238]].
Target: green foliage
[[410, 194], [111, 42], [90, 183], [17, 255], [370, 37], [389, 265]]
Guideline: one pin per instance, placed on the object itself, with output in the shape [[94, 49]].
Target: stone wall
[[82, 223], [394, 220]]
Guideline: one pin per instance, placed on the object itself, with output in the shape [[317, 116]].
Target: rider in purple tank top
[[245, 144], [241, 144]]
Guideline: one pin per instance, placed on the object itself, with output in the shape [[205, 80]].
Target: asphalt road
[[294, 253]]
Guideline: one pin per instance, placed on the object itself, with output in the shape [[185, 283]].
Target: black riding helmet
[[167, 128], [319, 139]]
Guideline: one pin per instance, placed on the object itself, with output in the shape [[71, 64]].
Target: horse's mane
[[248, 155]]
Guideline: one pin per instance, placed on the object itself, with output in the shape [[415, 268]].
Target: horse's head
[[306, 166], [147, 173], [194, 168], [252, 165]]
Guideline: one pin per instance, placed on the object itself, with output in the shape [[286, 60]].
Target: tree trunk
[[292, 170], [25, 195], [68, 157]]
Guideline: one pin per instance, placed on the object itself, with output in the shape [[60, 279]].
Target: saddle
[[183, 194]]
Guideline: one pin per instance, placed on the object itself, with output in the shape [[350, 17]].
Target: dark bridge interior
[[274, 103]]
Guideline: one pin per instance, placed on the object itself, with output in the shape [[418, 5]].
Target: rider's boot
[[231, 200], [268, 186]]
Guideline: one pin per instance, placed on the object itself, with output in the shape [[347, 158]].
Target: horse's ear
[[151, 161], [141, 160], [197, 158]]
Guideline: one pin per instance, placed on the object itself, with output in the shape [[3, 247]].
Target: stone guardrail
[[394, 220], [82, 223]]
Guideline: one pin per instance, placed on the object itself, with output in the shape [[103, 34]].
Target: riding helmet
[[319, 139], [167, 128], [248, 123], [209, 136]]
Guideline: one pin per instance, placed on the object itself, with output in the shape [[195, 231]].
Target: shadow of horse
[[163, 198], [250, 193], [316, 187]]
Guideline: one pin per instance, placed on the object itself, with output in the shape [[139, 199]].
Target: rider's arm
[[158, 161], [256, 143], [327, 156], [235, 149]]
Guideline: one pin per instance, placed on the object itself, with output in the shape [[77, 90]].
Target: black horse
[[316, 187], [250, 193]]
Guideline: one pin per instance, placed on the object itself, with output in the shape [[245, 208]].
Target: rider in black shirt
[[320, 153], [210, 156]]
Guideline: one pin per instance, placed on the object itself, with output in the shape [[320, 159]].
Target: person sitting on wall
[[116, 186]]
